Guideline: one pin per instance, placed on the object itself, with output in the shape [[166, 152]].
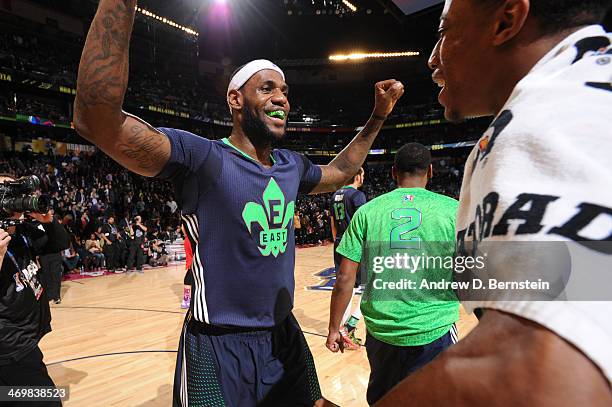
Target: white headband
[[246, 72]]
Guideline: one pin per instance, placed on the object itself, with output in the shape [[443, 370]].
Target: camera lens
[[26, 203], [42, 204], [25, 184]]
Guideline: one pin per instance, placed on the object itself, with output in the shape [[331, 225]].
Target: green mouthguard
[[279, 114]]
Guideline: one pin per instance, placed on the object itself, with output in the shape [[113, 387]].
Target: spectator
[[172, 205], [109, 235], [298, 227], [92, 245], [71, 259], [50, 257], [137, 233]]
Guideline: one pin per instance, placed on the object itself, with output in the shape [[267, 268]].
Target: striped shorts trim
[[239, 367]]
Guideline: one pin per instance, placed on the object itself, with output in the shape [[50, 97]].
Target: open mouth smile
[[277, 115]]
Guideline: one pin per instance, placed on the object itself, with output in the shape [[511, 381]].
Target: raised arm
[[348, 161], [101, 85]]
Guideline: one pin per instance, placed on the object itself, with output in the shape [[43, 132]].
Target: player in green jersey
[[402, 240]]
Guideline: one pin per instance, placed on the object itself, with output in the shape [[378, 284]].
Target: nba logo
[[408, 198]]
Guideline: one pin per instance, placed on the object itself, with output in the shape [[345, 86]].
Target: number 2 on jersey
[[398, 233]]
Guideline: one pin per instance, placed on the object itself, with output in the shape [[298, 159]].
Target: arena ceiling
[[275, 29], [236, 30]]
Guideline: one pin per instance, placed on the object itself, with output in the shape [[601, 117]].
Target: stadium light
[[350, 5], [375, 55], [167, 21]]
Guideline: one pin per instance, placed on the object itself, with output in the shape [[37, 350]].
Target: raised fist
[[386, 95]]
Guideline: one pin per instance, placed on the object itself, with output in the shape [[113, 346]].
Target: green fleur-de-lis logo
[[272, 240]]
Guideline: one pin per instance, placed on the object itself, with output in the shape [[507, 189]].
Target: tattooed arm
[[101, 86], [348, 161]]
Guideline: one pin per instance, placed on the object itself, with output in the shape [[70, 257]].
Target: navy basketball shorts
[[390, 364], [338, 259], [241, 367]]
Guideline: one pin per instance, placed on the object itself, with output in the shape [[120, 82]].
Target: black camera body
[[18, 196]]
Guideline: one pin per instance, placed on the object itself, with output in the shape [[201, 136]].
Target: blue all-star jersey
[[239, 218], [345, 203]]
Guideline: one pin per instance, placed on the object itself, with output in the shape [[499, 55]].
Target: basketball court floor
[[115, 337]]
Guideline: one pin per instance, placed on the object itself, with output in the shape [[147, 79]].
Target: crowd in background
[[87, 189], [31, 105], [314, 211], [51, 61], [56, 62]]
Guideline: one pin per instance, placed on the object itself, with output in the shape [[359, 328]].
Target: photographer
[[137, 232], [121, 250], [25, 316], [158, 253], [50, 256]]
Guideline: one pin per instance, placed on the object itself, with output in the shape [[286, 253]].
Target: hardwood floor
[[114, 338]]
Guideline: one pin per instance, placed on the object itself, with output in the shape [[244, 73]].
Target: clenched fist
[[386, 95], [334, 341]]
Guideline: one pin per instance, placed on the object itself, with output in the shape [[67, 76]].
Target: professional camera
[[18, 196]]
